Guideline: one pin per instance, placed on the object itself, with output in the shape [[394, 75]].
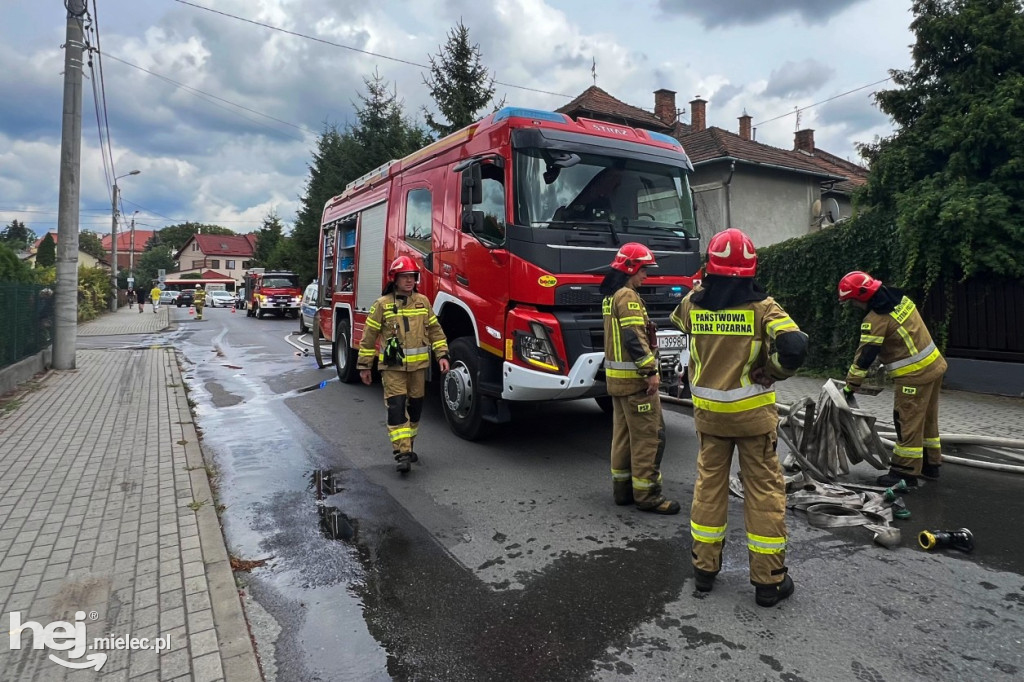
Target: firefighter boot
[[659, 505], [771, 595], [703, 580], [403, 462], [894, 477], [622, 492], [930, 471]]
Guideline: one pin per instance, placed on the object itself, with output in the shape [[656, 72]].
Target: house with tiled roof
[[130, 246], [772, 194], [219, 255], [85, 260]]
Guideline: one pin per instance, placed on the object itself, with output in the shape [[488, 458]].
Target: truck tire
[[344, 356], [605, 403], [459, 398]]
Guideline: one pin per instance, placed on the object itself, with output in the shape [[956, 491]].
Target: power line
[[103, 91], [809, 106], [354, 49]]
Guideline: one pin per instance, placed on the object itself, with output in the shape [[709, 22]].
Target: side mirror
[[472, 186], [472, 221]]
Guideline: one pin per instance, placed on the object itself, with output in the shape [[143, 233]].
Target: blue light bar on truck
[[662, 137], [538, 114]]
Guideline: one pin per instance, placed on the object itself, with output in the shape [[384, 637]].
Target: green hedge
[[802, 275]]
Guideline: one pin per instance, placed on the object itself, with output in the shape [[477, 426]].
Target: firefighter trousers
[[764, 505], [916, 416], [199, 312], [403, 398], [638, 443]]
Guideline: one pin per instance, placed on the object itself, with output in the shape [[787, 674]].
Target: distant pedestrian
[[408, 330], [741, 342], [131, 298], [631, 375], [154, 296], [894, 334]]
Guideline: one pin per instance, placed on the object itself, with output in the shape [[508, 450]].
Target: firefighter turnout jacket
[[900, 340], [726, 347], [411, 321], [628, 356]]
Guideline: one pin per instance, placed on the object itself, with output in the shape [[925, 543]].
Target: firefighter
[[631, 375], [741, 342], [199, 300], [894, 333], [404, 322]]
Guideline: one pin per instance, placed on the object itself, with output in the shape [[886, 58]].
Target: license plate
[[672, 341]]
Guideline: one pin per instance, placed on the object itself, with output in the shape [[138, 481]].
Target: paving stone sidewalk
[[960, 412], [106, 512], [127, 321]]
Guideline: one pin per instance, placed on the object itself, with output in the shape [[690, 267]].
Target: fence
[[26, 320], [987, 321]]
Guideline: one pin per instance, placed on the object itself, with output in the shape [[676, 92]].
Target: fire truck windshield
[[280, 282], [624, 194]]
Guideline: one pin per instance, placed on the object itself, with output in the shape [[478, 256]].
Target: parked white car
[[220, 299], [307, 308]]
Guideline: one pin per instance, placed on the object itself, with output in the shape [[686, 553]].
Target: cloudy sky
[[220, 114]]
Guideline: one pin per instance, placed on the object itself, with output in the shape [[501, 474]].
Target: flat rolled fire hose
[[829, 515]]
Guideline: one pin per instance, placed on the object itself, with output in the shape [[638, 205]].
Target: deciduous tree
[[952, 175]]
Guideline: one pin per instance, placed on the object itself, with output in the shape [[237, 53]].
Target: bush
[[802, 274], [93, 292]]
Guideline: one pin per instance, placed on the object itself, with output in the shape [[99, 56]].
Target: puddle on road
[[278, 502]]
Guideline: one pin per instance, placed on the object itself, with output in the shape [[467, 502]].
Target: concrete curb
[[236, 648], [26, 368]]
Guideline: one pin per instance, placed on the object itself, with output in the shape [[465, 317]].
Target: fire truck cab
[[274, 292], [515, 220]]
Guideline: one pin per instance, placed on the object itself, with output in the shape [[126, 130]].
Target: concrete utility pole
[[131, 256], [113, 239], [65, 334]]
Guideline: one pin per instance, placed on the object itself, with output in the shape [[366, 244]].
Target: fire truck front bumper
[[521, 383]]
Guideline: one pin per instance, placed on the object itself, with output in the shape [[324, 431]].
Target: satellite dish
[[830, 211]]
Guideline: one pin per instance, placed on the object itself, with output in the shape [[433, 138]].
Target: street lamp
[[113, 239]]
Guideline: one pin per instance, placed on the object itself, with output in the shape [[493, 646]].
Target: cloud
[[725, 13], [794, 79]]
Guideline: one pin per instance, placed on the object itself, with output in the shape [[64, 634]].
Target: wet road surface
[[507, 560]]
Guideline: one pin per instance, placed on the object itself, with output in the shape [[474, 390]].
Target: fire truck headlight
[[536, 349]]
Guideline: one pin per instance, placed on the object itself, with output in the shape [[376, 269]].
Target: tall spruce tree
[[381, 132], [46, 256], [268, 237], [459, 83], [952, 175]]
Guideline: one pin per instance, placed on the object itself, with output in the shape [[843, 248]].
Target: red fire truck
[[514, 220], [275, 292]]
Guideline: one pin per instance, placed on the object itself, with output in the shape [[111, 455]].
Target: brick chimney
[[698, 114], [665, 105], [745, 125], [803, 141]]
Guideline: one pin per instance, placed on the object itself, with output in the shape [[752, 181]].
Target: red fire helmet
[[858, 286], [633, 256], [404, 265], [732, 254]]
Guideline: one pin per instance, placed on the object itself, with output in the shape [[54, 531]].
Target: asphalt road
[[506, 559]]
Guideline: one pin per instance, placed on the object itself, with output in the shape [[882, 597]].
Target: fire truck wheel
[[605, 403], [459, 398], [344, 355]]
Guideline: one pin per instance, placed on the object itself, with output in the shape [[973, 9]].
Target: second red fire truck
[[514, 220]]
